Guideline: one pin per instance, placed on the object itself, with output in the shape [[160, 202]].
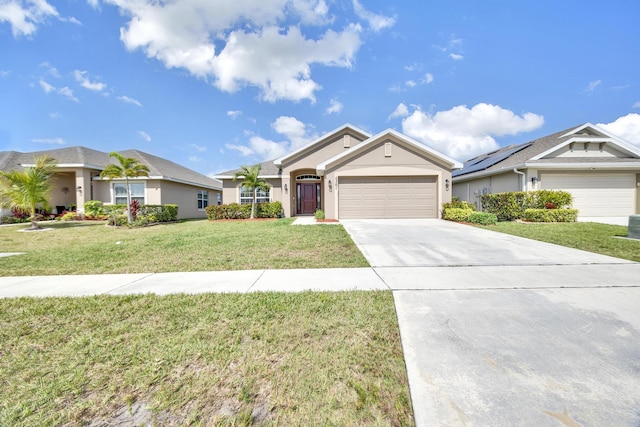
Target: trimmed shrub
[[157, 213], [269, 210], [230, 211], [551, 215], [458, 204], [319, 214], [482, 218], [456, 214], [511, 206], [93, 208]]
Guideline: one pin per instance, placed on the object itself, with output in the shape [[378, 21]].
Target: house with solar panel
[[600, 170]]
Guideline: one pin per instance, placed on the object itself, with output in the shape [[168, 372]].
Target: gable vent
[[387, 149], [346, 140]]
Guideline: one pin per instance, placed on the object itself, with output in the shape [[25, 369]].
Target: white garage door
[[596, 194], [388, 197]]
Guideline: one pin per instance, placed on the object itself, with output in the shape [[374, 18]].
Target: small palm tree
[[252, 181], [25, 190], [128, 168]]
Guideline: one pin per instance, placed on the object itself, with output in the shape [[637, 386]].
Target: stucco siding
[[185, 196], [380, 160]]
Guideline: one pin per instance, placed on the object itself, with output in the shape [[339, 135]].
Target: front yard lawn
[[588, 236], [231, 359], [92, 247]]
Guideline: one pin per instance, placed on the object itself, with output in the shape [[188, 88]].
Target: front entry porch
[[308, 195]]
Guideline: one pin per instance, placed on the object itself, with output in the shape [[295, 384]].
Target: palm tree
[[25, 190], [128, 168], [252, 182]]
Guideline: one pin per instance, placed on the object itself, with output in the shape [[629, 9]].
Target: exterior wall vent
[[346, 141], [387, 149]]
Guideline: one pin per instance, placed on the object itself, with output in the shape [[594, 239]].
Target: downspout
[[524, 178]]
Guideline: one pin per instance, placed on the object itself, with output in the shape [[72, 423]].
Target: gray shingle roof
[[267, 168], [87, 157]]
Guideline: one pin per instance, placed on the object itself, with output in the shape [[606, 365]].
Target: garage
[[388, 197], [596, 195]]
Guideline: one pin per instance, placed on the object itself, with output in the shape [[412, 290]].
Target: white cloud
[[400, 111], [128, 100], [4, 73], [144, 136], [64, 91], [25, 15], [410, 83], [636, 105], [52, 141], [456, 56], [376, 22], [53, 71], [81, 77], [234, 114], [592, 85], [46, 86], [94, 4], [55, 115], [626, 127], [428, 78], [413, 67], [68, 93], [198, 148], [297, 135], [463, 132], [241, 43], [335, 107]]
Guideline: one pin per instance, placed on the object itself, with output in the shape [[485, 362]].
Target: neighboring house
[[77, 180], [601, 171], [350, 173]]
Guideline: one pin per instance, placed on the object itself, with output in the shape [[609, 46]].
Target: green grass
[[92, 247], [231, 359], [588, 236]]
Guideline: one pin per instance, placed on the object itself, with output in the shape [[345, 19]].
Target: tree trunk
[[253, 203], [34, 223]]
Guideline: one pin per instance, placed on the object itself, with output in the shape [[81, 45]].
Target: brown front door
[[307, 199]]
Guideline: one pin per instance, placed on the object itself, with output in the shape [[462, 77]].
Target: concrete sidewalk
[[330, 279]]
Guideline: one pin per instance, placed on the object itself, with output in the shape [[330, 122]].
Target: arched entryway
[[308, 193]]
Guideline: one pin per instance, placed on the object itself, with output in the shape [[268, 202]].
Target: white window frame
[[142, 199], [262, 196], [203, 199]]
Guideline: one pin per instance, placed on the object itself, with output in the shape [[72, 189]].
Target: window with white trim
[[262, 195], [203, 199], [120, 193]]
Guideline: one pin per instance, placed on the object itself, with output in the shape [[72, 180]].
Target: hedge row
[[551, 215], [117, 214], [512, 206], [238, 211], [469, 215]]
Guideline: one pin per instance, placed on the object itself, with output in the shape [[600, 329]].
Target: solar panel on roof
[[490, 161]]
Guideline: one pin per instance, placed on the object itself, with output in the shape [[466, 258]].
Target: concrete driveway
[[503, 331]]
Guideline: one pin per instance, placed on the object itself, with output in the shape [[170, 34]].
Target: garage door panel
[[387, 197], [596, 194]]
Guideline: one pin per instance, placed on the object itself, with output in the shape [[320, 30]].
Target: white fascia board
[[321, 168], [278, 162], [617, 141], [166, 178], [591, 166]]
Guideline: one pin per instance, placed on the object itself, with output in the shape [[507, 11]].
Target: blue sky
[[215, 84]]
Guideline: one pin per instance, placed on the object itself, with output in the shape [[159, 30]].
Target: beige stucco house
[[77, 180], [601, 171], [349, 173]]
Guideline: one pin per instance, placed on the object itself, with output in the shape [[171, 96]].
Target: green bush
[[458, 204], [93, 208], [511, 206], [482, 218], [157, 213], [114, 209], [456, 214], [238, 211], [319, 214], [551, 215], [269, 210]]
